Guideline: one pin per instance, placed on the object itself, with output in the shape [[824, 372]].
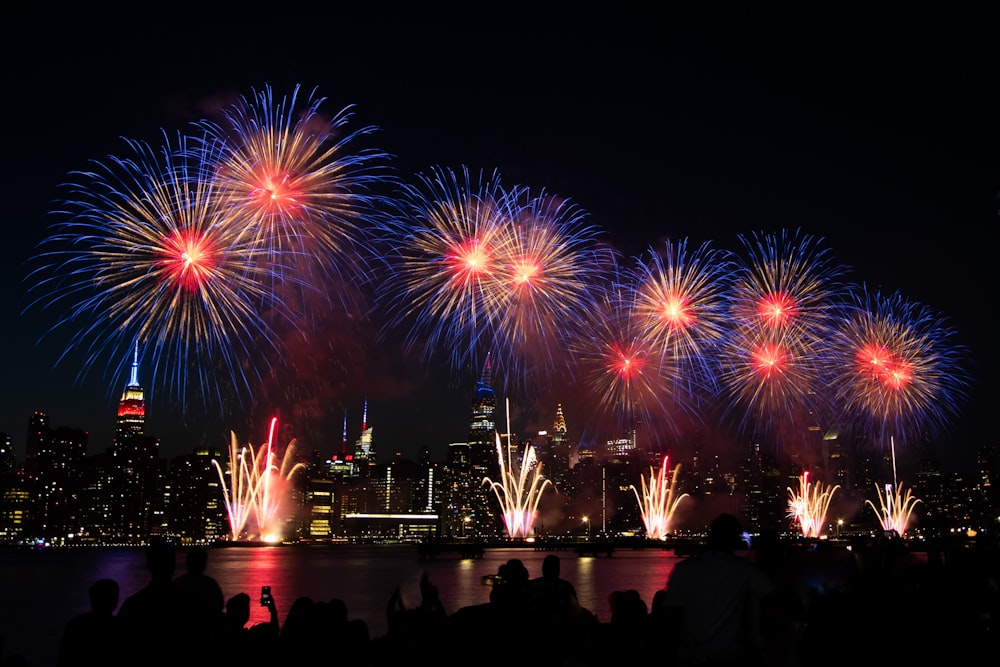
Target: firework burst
[[680, 306], [445, 243], [143, 254], [898, 371], [622, 368], [289, 176], [783, 305], [545, 266]]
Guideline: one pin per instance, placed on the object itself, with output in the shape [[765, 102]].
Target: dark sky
[[877, 132]]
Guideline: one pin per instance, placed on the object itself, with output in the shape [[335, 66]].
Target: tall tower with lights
[[136, 504], [483, 456], [557, 453], [364, 448], [131, 420]]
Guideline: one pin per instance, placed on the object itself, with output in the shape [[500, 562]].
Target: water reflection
[[46, 588]]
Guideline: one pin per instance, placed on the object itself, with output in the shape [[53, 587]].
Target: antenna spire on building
[[487, 379], [134, 380], [343, 442]]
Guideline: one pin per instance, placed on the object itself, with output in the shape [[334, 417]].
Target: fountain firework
[[258, 488], [808, 506], [896, 508], [519, 491], [658, 501]]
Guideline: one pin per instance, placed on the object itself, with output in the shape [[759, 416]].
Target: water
[[43, 589]]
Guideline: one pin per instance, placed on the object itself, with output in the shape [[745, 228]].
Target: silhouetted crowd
[[775, 604]]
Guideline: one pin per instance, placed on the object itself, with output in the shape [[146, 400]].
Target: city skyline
[[902, 188]]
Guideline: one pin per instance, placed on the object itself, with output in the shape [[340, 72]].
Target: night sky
[[877, 132]]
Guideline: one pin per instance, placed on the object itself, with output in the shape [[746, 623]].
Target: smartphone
[[265, 596]]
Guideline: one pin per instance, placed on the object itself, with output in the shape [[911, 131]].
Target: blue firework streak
[[143, 253], [898, 369]]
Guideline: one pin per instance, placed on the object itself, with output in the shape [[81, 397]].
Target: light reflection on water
[[43, 589]]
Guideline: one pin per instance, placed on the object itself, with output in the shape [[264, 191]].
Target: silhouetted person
[[717, 595], [505, 615], [153, 618], [511, 595], [237, 643], [203, 590], [783, 612], [201, 595], [298, 634], [409, 629], [553, 598], [624, 638], [93, 637]]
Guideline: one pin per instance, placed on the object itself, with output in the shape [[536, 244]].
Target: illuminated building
[[136, 501], [485, 518], [194, 498], [15, 501], [364, 449]]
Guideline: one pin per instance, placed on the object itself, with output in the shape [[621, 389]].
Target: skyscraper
[[483, 456], [364, 448], [136, 501], [556, 453], [131, 419]]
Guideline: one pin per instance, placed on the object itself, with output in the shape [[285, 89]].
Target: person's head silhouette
[[725, 533], [197, 559], [238, 609], [551, 566], [104, 596], [161, 560]]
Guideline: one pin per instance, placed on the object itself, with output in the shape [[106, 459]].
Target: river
[[44, 588]]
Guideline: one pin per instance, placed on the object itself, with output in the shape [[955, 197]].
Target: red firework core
[[777, 309], [626, 361], [884, 366], [188, 259], [873, 358], [769, 360], [469, 261], [275, 194], [897, 376]]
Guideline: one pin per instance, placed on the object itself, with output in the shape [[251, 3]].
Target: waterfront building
[[196, 511], [485, 516], [136, 486]]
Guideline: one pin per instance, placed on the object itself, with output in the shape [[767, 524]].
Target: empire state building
[[131, 421], [136, 508]]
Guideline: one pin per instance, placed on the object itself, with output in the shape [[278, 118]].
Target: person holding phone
[[264, 636], [240, 644]]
